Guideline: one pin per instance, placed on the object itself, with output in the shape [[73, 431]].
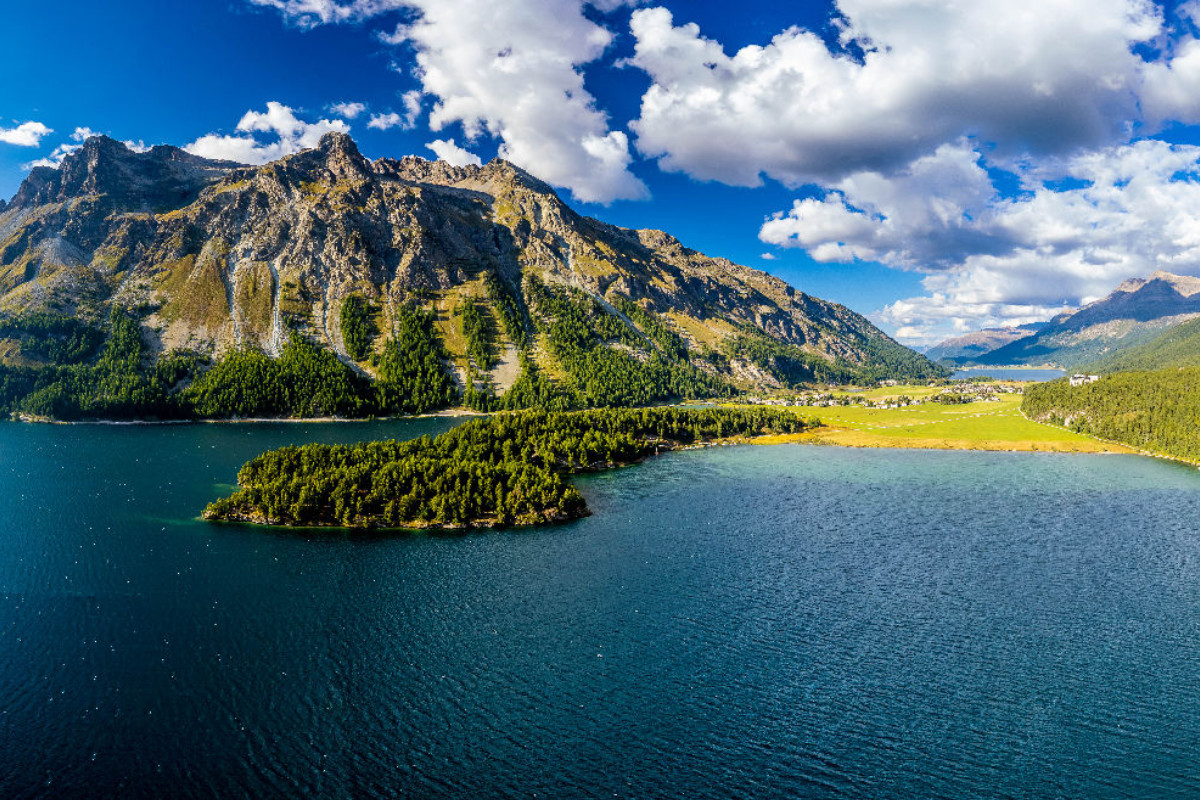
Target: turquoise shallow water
[[771, 622]]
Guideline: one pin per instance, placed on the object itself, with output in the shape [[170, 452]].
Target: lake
[[1009, 373], [746, 621]]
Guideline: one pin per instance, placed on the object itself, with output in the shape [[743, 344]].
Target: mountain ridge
[[1135, 312], [217, 256], [968, 346]]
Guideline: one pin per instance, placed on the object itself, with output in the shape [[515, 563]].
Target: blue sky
[[939, 166]]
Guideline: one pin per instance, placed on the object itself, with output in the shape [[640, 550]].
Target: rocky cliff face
[[1137, 311], [217, 255]]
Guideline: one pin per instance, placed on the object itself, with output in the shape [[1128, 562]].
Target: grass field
[[974, 426]]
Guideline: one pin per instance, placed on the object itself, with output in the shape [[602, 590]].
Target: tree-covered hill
[[1157, 411]]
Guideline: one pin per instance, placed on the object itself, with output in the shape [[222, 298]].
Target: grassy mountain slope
[[1177, 347]]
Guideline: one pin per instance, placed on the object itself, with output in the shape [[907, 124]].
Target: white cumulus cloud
[[266, 136], [512, 70], [406, 121], [348, 110], [412, 107], [383, 122], [447, 150], [27, 134], [1076, 227], [311, 13], [1030, 76], [925, 216], [518, 78]]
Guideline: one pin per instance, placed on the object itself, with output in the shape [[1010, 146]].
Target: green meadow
[[973, 426]]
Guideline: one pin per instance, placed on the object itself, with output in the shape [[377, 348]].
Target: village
[[944, 393]]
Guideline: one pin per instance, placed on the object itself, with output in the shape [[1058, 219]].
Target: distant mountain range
[[970, 346], [1136, 313], [214, 256]]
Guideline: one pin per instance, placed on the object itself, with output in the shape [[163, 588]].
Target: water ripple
[[735, 622]]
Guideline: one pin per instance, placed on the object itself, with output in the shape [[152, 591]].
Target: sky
[[938, 165]]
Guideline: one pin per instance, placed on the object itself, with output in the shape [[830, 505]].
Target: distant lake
[[765, 622], [1010, 373]]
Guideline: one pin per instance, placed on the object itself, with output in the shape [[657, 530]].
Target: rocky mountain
[[214, 256], [1137, 311], [970, 346]]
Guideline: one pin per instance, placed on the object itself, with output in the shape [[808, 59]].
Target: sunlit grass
[[973, 426]]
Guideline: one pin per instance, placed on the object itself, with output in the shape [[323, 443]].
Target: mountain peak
[[1185, 285], [103, 166], [1132, 284], [100, 143], [1135, 311], [508, 171], [335, 154], [497, 175], [340, 143]]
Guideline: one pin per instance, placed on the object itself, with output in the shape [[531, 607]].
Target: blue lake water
[[1009, 373], [735, 622]]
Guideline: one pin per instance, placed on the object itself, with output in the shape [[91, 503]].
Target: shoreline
[[837, 436], [446, 412], [1014, 367], [825, 436], [1128, 447]]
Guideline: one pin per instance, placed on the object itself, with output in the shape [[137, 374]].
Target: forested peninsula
[[1156, 411], [505, 470]]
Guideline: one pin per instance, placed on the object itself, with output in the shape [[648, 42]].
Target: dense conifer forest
[[1157, 411], [578, 332], [305, 380], [358, 330], [507, 469], [116, 385]]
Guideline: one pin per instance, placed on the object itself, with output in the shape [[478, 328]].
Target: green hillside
[[1177, 347], [1157, 411]]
